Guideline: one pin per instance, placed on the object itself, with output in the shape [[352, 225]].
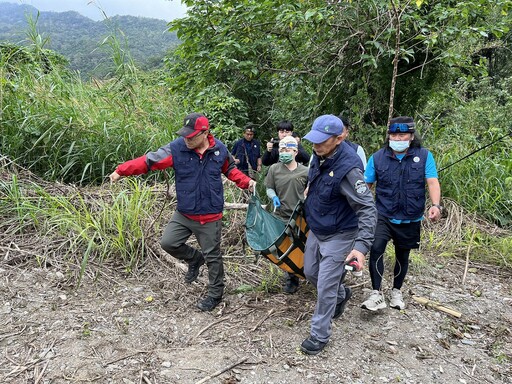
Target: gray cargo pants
[[324, 267]]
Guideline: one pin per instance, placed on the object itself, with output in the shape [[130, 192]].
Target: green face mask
[[285, 157]]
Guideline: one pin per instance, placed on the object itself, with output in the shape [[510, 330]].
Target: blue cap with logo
[[323, 128]]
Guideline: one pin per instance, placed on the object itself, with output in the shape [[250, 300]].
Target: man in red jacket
[[198, 160]]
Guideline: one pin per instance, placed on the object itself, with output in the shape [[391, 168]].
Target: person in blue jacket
[[247, 152], [199, 160], [341, 215], [400, 171]]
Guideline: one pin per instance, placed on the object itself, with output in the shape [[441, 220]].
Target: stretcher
[[281, 242]]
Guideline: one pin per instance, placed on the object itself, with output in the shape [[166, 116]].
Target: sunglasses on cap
[[401, 127], [288, 145]]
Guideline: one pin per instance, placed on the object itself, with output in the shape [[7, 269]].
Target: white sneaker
[[397, 300], [375, 301]]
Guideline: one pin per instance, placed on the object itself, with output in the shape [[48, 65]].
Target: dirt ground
[[144, 328]]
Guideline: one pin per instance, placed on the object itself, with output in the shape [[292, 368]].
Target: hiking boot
[[374, 302], [397, 300], [340, 307], [208, 303], [193, 269], [292, 284], [312, 346]]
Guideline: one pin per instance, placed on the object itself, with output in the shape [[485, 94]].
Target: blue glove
[[276, 201]]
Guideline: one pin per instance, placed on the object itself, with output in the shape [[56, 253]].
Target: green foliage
[[481, 182], [64, 129], [263, 61], [78, 38], [333, 56], [296, 60]]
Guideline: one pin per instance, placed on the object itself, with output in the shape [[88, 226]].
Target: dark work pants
[[208, 235]]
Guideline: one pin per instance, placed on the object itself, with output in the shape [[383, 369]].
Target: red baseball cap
[[193, 124]]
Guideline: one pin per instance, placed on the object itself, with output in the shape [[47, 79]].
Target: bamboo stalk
[[429, 303]]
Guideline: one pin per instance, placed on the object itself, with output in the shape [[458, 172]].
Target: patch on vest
[[216, 153], [416, 159], [360, 186]]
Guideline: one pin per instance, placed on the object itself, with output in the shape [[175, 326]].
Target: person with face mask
[[399, 172], [285, 183]]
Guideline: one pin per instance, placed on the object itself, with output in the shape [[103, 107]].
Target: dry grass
[[451, 237]]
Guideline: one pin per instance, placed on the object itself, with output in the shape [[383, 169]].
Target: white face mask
[[398, 145]]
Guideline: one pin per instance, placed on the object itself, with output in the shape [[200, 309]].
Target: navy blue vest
[[247, 149], [400, 190], [198, 181], [327, 211], [354, 146]]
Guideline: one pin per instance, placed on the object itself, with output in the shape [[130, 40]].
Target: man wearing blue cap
[[341, 215]]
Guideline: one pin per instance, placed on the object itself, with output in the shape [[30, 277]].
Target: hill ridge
[[78, 37]]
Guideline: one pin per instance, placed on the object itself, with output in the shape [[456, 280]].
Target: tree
[[266, 60]]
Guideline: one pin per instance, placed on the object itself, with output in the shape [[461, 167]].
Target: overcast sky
[[159, 9]]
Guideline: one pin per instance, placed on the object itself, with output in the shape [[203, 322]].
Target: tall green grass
[[62, 128], [481, 183]]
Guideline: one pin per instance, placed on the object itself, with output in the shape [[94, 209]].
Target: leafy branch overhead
[[326, 53]]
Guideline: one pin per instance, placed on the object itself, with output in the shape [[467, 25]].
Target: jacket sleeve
[[230, 170], [158, 160], [271, 157], [303, 156], [235, 149], [360, 198]]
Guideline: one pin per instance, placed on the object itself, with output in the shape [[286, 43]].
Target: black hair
[[345, 121], [285, 125], [416, 138]]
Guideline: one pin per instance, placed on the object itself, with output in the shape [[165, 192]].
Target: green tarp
[[262, 228]]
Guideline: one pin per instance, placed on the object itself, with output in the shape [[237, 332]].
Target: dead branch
[[211, 325], [220, 372], [262, 320], [123, 357], [467, 256]]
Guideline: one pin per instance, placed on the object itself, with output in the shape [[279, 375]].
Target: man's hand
[[252, 186], [434, 213], [236, 160], [114, 176], [276, 201], [355, 254], [270, 145]]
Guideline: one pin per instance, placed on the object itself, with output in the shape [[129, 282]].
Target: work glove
[[276, 201]]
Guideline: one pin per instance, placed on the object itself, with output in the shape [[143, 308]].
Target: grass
[[104, 225], [116, 223], [62, 128], [462, 233]]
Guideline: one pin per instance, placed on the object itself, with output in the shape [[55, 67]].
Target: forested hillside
[[79, 38]]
